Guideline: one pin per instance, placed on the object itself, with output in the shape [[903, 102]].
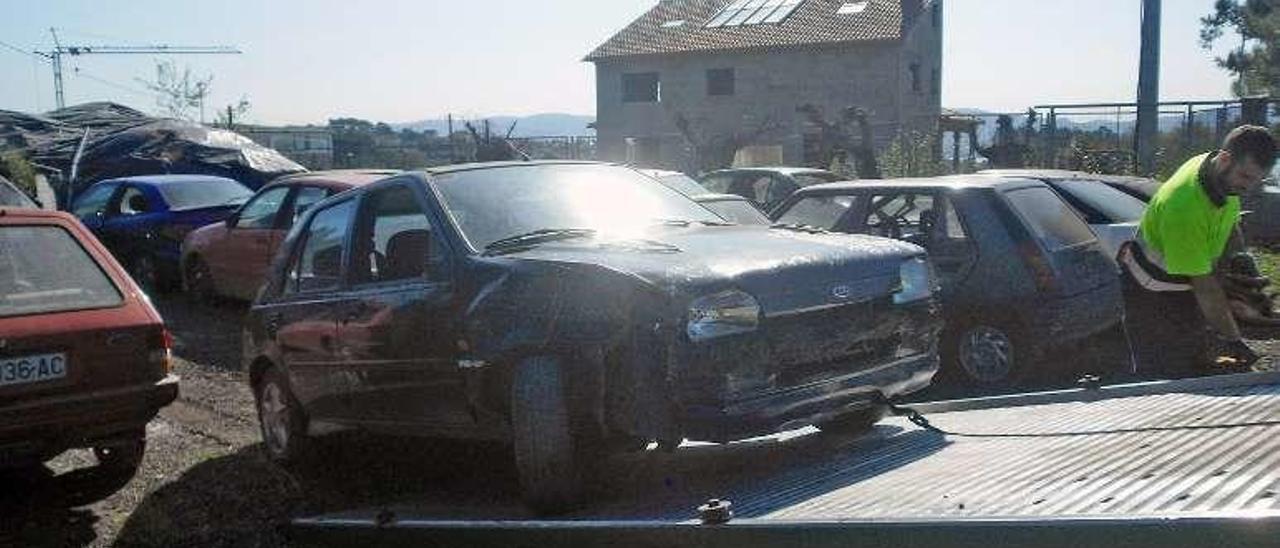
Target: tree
[[228, 116], [180, 92], [1256, 63], [837, 141], [712, 150]]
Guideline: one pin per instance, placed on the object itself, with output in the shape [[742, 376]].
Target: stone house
[[736, 71]]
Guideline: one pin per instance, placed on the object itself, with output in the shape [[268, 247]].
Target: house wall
[[769, 86]]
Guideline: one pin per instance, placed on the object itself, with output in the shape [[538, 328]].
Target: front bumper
[[803, 405], [40, 428]]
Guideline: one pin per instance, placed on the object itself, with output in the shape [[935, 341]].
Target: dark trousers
[[1166, 329]]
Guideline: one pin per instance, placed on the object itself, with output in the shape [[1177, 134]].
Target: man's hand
[[1236, 354]]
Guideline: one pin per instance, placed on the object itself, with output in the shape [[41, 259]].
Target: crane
[[55, 56]]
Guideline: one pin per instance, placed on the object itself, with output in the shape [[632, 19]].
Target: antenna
[[55, 56]]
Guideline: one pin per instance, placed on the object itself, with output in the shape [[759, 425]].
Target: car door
[[132, 215], [304, 319], [397, 335], [239, 260]]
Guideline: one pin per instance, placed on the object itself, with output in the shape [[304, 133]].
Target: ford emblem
[[841, 292]]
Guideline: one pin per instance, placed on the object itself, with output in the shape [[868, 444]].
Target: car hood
[[786, 270]]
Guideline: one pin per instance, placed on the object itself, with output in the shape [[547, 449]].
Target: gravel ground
[[206, 482]]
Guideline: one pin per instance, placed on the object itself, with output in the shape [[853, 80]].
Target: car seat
[[407, 255]]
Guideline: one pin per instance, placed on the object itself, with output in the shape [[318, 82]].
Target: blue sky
[[309, 60]]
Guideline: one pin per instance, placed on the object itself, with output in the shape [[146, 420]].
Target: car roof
[[10, 214], [949, 182], [658, 172], [784, 170], [441, 170], [341, 179], [161, 180], [1050, 174]]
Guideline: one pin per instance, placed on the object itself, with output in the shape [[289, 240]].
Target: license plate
[[30, 369]]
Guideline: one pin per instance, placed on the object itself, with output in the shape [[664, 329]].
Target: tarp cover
[[123, 142]]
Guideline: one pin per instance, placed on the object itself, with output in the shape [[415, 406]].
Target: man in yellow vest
[[1185, 231]]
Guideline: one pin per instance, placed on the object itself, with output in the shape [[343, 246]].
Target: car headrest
[[407, 254]]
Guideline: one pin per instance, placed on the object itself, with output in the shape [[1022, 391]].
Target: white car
[[1113, 215]]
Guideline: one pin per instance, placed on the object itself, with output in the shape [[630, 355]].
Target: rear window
[[1110, 204], [738, 212], [822, 212], [204, 193], [810, 179], [44, 269], [683, 184], [1051, 219]]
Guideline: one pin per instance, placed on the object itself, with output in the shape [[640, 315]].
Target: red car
[[84, 358], [230, 258]]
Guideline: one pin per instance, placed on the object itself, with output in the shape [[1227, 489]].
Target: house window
[[641, 87], [720, 82], [915, 77], [935, 82]]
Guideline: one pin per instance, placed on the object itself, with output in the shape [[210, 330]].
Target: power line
[[122, 87], [22, 51]]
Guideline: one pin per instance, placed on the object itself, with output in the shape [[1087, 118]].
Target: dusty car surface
[[501, 301], [84, 358], [143, 220], [732, 207], [230, 258], [1021, 272], [767, 187], [1112, 214]]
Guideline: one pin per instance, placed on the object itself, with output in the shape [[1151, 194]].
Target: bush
[[912, 154], [15, 167]]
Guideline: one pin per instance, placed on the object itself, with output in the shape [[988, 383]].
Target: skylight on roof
[[850, 8], [753, 12], [673, 24]]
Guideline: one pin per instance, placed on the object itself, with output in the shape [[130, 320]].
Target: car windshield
[[738, 212], [46, 270], [492, 204], [1115, 206], [204, 193]]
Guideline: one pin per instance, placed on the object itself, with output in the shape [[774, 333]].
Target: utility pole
[[1148, 125], [55, 57]]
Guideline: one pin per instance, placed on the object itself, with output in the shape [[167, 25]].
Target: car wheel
[[857, 422], [118, 461], [987, 355], [545, 455], [198, 281], [144, 272], [280, 416]]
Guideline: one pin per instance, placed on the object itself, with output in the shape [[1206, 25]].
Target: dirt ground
[[206, 482]]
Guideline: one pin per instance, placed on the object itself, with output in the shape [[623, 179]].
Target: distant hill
[[536, 125]]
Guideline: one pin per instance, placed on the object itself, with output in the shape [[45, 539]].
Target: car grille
[[836, 340]]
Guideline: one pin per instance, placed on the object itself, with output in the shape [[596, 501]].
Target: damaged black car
[[573, 310]]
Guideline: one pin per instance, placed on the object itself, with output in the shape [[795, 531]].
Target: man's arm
[[1214, 306]]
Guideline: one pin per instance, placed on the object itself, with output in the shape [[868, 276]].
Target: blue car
[[143, 220]]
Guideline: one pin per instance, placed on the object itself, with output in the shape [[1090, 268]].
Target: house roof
[[814, 22]]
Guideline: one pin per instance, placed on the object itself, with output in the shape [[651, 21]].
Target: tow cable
[[917, 418]]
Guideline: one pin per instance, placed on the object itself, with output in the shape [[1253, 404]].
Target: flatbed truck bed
[[1182, 463]]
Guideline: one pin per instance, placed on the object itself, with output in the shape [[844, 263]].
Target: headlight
[[917, 282], [725, 313]]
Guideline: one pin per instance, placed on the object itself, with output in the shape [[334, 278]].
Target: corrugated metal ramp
[[1137, 459]]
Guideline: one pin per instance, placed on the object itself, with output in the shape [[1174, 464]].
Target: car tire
[[983, 354], [119, 460], [281, 419], [855, 423], [198, 281], [545, 454]]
